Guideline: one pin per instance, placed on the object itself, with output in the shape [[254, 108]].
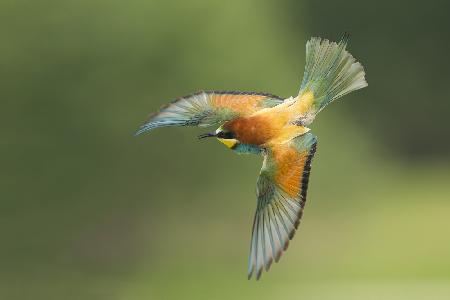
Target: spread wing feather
[[209, 108], [281, 195]]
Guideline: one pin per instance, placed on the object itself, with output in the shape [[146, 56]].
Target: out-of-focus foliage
[[90, 212]]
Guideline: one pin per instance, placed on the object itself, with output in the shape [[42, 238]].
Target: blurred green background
[[90, 212]]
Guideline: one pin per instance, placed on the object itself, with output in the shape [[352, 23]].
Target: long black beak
[[205, 135]]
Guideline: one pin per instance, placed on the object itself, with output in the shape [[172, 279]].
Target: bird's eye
[[225, 135]]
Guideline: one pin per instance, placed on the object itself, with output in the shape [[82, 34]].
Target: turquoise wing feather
[[281, 197], [209, 108]]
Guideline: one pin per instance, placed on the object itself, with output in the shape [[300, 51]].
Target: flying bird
[[277, 129]]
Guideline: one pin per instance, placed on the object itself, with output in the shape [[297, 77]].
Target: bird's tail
[[330, 73]]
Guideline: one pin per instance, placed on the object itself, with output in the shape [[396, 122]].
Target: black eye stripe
[[225, 135], [229, 135]]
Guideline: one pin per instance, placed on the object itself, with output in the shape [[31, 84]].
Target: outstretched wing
[[209, 108], [281, 192]]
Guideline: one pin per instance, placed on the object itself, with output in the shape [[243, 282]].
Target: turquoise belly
[[245, 148]]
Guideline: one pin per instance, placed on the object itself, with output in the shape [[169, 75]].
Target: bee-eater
[[276, 128]]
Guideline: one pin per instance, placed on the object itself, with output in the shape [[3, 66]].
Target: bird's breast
[[255, 130]]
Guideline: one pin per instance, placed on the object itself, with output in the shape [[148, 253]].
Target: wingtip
[[250, 273], [141, 130], [258, 274], [278, 256], [269, 264], [286, 245], [345, 37]]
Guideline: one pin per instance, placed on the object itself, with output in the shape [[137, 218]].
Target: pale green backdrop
[[88, 211]]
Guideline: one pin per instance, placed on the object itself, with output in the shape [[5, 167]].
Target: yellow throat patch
[[230, 143]]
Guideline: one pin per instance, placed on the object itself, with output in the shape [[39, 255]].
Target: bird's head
[[224, 136]]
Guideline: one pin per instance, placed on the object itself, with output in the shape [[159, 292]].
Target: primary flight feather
[[276, 128]]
